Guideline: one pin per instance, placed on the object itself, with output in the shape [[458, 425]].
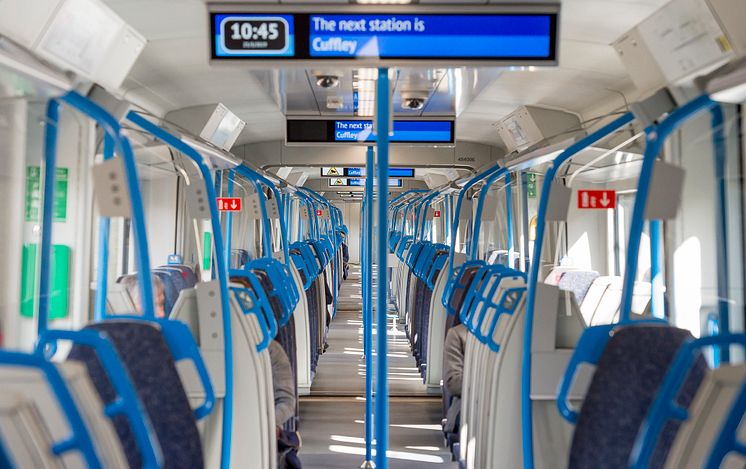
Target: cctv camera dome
[[414, 103], [327, 81]]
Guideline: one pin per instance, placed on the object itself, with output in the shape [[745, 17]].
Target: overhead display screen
[[333, 171], [406, 36], [361, 131], [359, 182]]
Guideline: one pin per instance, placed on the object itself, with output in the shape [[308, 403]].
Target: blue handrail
[[383, 98], [80, 439], [526, 409], [665, 408], [457, 211], [367, 257], [222, 268], [480, 207], [126, 403]]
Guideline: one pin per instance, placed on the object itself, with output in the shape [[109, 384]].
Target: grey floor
[[332, 418]]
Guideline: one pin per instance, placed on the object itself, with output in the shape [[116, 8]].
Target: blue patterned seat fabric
[[627, 378], [147, 358], [578, 282]]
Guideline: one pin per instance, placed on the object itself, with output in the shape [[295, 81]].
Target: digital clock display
[[254, 36]]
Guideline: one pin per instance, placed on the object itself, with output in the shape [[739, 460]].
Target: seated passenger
[[159, 294], [288, 443], [453, 359], [453, 372]]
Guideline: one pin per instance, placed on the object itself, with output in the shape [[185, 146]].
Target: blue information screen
[[430, 36], [402, 36], [404, 131], [393, 172]]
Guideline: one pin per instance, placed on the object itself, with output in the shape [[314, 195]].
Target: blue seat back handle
[[664, 407], [80, 439], [244, 296], [589, 349], [182, 346], [261, 308], [126, 403]]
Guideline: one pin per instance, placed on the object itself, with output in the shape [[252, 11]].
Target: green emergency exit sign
[[531, 185], [32, 203]]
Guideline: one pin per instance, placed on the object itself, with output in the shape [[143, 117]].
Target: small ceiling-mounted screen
[[347, 131]]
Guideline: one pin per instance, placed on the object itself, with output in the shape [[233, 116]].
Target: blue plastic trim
[[80, 439], [526, 410], [383, 99], [127, 403], [664, 407], [222, 268]]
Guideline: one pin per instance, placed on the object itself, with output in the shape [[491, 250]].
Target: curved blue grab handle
[[261, 308], [284, 288], [182, 346], [664, 407], [126, 403], [589, 348], [268, 328], [454, 284], [509, 301], [80, 439]]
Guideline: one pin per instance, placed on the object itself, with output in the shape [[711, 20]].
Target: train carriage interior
[[467, 234]]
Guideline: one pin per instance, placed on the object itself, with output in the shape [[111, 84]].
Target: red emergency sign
[[436, 213], [596, 199], [229, 204], [319, 212]]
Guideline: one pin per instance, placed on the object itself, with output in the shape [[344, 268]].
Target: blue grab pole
[[50, 165], [368, 302], [222, 267], [383, 99], [229, 219], [526, 410], [656, 274], [104, 227]]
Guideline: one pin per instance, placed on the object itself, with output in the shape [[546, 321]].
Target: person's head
[[131, 282]]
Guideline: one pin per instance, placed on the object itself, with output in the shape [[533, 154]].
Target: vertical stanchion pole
[[383, 99], [656, 275], [368, 306]]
